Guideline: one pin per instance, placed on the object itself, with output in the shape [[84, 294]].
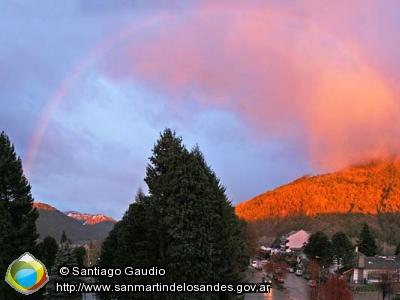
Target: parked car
[[281, 279], [291, 270], [299, 273], [312, 283], [267, 280]]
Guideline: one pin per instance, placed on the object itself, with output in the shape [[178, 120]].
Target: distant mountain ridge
[[88, 218], [372, 188], [43, 206], [52, 222]]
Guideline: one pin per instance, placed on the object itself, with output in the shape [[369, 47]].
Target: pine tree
[[366, 241], [225, 231], [64, 257], [193, 224], [134, 238], [163, 181], [127, 245], [342, 249], [204, 241], [64, 238], [319, 247], [110, 247], [17, 214], [47, 252], [185, 225], [79, 254], [108, 258], [5, 251]]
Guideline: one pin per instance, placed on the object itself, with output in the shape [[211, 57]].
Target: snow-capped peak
[[89, 218]]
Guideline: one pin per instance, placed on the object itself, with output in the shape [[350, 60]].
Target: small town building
[[369, 269], [294, 241]]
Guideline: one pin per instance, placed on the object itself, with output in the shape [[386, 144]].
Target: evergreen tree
[[232, 238], [185, 225], [161, 179], [64, 238], [5, 251], [110, 247], [47, 252], [109, 252], [319, 248], [134, 238], [129, 236], [64, 257], [194, 223], [17, 214], [166, 175], [225, 230], [342, 249], [366, 241], [79, 254]]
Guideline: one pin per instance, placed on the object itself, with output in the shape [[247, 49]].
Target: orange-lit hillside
[[356, 189], [43, 206]]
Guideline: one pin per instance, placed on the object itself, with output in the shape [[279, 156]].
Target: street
[[295, 288], [274, 292]]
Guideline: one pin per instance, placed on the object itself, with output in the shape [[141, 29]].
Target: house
[[292, 244], [368, 269], [294, 241]]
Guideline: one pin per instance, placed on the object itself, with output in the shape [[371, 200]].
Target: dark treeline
[[17, 216], [185, 225]]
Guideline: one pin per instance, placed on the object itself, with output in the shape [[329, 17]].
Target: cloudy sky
[[270, 90]]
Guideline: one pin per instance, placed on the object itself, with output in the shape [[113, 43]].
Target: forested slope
[[367, 189]]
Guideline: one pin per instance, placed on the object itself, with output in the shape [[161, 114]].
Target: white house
[[368, 269], [294, 241]]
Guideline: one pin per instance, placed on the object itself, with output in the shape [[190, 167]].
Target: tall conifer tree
[[366, 241], [128, 245], [224, 230], [17, 214], [47, 251], [185, 225], [342, 249], [64, 257], [163, 175], [108, 259]]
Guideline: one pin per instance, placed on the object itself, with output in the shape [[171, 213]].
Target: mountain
[[372, 188], [88, 218], [52, 222], [43, 206], [338, 201]]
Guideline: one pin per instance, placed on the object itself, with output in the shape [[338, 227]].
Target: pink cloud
[[307, 69]]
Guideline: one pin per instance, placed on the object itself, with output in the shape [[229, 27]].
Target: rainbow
[[121, 35], [104, 47]]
